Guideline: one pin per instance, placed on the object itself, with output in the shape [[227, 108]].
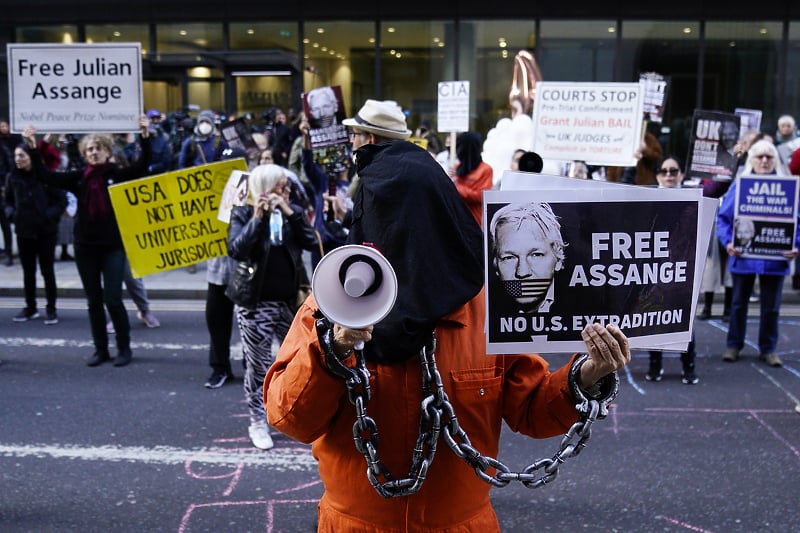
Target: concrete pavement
[[174, 284]]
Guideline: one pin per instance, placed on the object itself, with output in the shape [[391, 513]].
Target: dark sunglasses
[[669, 171]]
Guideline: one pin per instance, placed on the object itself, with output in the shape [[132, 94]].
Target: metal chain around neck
[[438, 417]]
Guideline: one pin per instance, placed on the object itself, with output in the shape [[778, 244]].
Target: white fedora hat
[[384, 118]]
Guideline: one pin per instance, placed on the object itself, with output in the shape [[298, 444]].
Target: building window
[[741, 68], [792, 74], [414, 57], [340, 53], [263, 36], [486, 57], [118, 33], [194, 38], [577, 50], [65, 34], [671, 49]]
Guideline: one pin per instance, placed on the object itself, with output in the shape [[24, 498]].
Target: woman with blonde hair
[[762, 159], [272, 232]]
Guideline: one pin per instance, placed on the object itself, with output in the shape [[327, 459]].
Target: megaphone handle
[[358, 345]]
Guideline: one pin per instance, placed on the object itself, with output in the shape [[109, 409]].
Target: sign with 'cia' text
[[453, 101], [170, 220], [75, 88]]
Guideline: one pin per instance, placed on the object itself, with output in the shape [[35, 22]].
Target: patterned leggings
[[258, 328]]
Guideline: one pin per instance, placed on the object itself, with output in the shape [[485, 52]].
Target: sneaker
[[149, 320], [217, 379], [26, 314], [51, 318], [689, 377], [771, 359], [705, 314], [730, 355], [259, 435], [109, 327], [655, 373]]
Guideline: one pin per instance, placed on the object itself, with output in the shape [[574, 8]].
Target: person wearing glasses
[[669, 174], [762, 159]]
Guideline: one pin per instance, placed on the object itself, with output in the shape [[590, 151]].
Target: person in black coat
[[37, 209]]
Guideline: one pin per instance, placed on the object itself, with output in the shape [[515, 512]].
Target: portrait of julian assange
[[528, 250]]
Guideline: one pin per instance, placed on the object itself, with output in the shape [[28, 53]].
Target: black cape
[[408, 209]]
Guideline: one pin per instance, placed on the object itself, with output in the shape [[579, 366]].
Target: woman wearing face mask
[[99, 254], [204, 145]]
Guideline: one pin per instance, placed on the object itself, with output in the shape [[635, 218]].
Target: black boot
[[688, 377], [656, 371], [726, 306], [99, 357], [705, 314], [123, 357]]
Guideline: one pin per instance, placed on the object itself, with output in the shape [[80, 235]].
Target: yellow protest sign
[[422, 142], [170, 220]]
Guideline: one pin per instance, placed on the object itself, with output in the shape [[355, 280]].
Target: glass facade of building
[[254, 66]]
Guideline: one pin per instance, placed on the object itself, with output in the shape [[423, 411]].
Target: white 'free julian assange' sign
[[75, 88]]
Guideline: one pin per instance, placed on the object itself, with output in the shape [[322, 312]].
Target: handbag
[[244, 286], [304, 288]]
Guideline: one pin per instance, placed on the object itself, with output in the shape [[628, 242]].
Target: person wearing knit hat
[[422, 365], [204, 145]]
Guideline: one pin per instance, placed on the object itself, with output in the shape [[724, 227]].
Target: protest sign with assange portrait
[[712, 146], [170, 220], [557, 259], [765, 215]]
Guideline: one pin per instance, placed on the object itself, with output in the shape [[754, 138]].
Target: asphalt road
[[147, 448]]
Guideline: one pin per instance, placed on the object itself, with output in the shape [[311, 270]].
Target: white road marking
[[37, 342], [284, 459]]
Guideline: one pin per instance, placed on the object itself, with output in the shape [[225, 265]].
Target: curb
[[152, 293]]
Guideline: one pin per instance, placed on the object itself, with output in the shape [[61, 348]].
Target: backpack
[[192, 153]]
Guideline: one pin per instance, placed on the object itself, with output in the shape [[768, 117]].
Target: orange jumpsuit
[[308, 403]]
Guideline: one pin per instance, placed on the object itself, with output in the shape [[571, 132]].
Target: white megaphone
[[355, 286]]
